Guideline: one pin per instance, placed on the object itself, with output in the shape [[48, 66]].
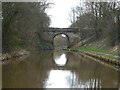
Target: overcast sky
[[59, 12]]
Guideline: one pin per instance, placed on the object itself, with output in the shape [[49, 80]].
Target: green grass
[[98, 49], [105, 56], [100, 55], [101, 47]]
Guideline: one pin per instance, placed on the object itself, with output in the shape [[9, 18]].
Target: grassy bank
[[101, 46], [109, 59], [100, 51], [94, 49]]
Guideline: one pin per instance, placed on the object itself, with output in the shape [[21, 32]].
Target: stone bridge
[[74, 35]]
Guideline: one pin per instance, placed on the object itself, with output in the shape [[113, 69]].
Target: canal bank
[[106, 57], [13, 54]]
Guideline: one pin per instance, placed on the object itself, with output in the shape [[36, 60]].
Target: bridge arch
[[63, 35], [74, 35]]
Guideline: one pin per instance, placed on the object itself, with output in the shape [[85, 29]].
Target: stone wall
[[75, 34]]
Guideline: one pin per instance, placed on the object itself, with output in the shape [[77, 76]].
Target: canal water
[[58, 69]]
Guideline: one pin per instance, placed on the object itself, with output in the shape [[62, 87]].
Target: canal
[[58, 69]]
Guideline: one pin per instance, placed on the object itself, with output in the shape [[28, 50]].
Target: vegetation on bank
[[99, 48], [21, 21], [82, 49], [103, 17], [14, 54]]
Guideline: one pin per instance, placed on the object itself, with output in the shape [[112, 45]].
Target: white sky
[[59, 13]]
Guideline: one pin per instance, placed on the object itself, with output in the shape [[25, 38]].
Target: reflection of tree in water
[[29, 73], [79, 72], [57, 53], [92, 74]]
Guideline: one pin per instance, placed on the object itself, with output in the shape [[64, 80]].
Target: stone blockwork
[[74, 35]]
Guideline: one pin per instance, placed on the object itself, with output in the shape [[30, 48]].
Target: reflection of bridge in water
[[58, 69], [65, 60], [68, 68]]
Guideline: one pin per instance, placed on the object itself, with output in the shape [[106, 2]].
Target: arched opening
[[60, 41]]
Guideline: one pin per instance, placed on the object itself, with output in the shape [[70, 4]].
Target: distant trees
[[21, 21], [104, 17]]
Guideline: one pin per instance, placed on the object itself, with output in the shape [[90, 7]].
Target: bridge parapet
[[66, 30]]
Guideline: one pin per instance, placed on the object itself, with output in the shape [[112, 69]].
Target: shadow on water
[[58, 69]]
